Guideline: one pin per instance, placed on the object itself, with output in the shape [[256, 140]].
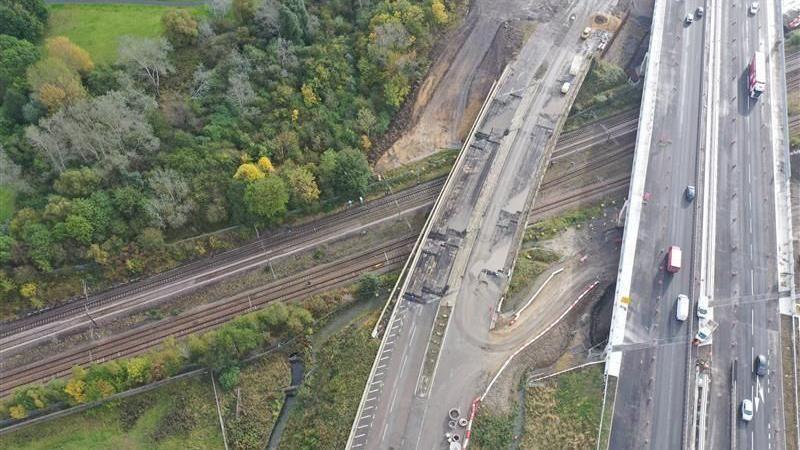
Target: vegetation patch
[[251, 409], [136, 126], [221, 350], [97, 28], [564, 412], [329, 399], [7, 197], [550, 228], [531, 262], [434, 166], [793, 40], [177, 416], [491, 430], [604, 92]]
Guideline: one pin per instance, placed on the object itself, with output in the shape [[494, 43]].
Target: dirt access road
[[448, 100]]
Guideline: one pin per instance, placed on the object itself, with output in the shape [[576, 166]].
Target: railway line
[[315, 280], [615, 129], [249, 256]]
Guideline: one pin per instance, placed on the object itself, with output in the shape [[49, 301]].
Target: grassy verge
[[329, 398], [7, 196], [549, 228], [604, 92], [790, 403], [530, 264], [433, 166], [97, 28], [250, 411], [611, 395], [564, 412], [178, 416], [491, 430]]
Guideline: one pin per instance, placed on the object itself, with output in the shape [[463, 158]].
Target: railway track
[[315, 280], [248, 256], [138, 340]]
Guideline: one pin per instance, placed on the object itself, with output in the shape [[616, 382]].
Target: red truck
[[674, 259], [757, 75]]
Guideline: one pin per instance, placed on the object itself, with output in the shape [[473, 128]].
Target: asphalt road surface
[[650, 400], [462, 271], [746, 289]]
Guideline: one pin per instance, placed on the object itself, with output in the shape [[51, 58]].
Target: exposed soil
[[445, 104]]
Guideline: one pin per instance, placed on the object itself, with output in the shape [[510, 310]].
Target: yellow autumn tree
[[439, 12], [28, 290], [73, 56], [76, 390], [17, 412], [265, 165], [54, 83], [309, 97], [248, 172]]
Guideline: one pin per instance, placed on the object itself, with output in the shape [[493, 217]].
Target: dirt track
[[449, 98]]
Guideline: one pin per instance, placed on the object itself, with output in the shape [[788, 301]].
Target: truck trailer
[[757, 75]]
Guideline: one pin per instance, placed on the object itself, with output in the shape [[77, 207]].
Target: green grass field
[[6, 203], [97, 28]]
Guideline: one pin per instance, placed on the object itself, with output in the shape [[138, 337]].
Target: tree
[[180, 27], [365, 121], [219, 8], [229, 377], [439, 12], [248, 172], [77, 182], [345, 173], [111, 129], [6, 248], [73, 56], [303, 188], [368, 287], [146, 58], [17, 55], [171, 204], [267, 21], [55, 84], [240, 91], [267, 198], [244, 11], [289, 24], [18, 21], [78, 228]]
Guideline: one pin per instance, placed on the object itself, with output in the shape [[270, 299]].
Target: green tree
[[77, 182], [229, 377], [180, 27], [303, 188], [17, 21], [368, 287], [6, 248], [345, 173], [267, 198], [78, 228], [290, 25], [17, 55]]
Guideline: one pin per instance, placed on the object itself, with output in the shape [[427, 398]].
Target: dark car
[[690, 193], [760, 365]]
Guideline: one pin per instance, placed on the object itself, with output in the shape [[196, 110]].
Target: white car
[[688, 19], [747, 410], [703, 310], [565, 87], [753, 10], [682, 308]]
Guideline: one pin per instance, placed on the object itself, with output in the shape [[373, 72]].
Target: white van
[[682, 309]]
